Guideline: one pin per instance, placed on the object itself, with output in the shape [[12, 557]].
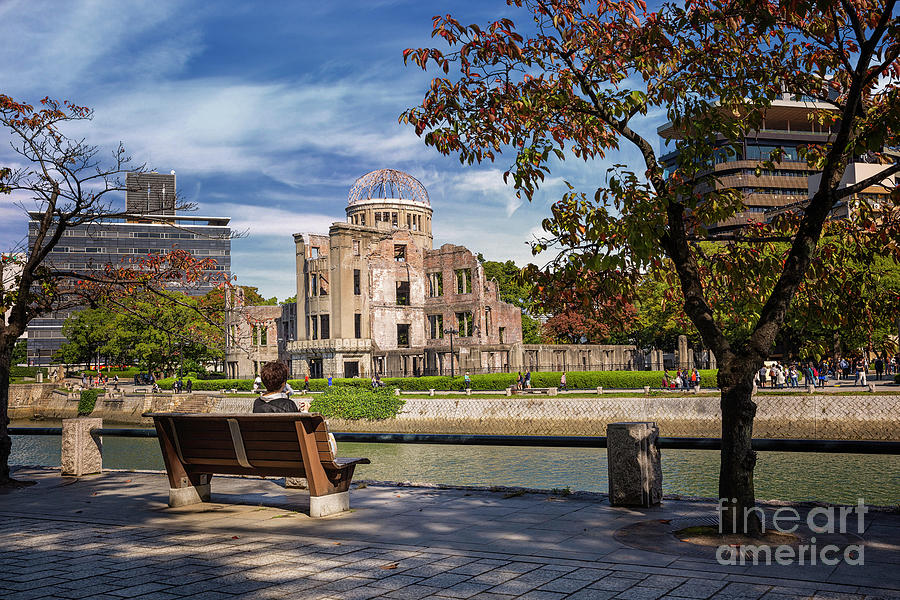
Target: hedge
[[88, 400], [351, 402], [576, 380], [16, 371]]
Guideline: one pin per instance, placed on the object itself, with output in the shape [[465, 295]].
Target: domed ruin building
[[374, 296]]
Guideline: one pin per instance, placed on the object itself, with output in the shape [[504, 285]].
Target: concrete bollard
[[431, 392], [553, 391], [509, 391], [871, 387], [468, 391], [696, 389], [647, 390], [599, 390], [635, 472], [82, 451], [40, 377], [810, 389], [396, 391]]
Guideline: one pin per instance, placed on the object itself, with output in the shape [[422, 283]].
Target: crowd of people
[[683, 379], [818, 373]]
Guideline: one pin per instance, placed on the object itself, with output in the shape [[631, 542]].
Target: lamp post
[[451, 332]]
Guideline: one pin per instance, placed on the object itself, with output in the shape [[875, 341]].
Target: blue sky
[[268, 112]]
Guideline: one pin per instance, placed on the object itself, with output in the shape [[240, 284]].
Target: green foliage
[[16, 371], [585, 380], [20, 353], [351, 402], [531, 330], [146, 331], [88, 400]]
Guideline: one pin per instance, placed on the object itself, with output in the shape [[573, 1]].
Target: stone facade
[[375, 297], [256, 335]]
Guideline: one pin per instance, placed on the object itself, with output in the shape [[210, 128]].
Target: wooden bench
[[196, 446]]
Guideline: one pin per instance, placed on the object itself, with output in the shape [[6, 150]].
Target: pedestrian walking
[[190, 386], [879, 368], [467, 381], [306, 382], [562, 382], [329, 381]]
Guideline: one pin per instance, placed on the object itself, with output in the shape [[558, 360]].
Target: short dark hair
[[273, 375]]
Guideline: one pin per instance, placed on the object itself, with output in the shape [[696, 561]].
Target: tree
[[87, 333], [576, 84], [67, 184]]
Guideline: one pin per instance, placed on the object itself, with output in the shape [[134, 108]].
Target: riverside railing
[[547, 441]]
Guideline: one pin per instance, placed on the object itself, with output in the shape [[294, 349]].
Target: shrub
[[576, 380], [88, 400], [15, 371], [354, 402]]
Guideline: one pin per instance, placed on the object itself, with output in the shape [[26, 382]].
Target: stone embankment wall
[[44, 401], [869, 417], [821, 416]]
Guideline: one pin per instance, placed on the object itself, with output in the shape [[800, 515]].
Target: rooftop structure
[[787, 125]]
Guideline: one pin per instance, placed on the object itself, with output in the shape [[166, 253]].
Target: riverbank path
[[111, 536]]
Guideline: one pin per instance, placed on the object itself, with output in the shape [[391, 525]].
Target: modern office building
[[149, 226], [787, 125], [875, 196]]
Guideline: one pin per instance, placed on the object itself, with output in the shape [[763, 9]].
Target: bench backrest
[[246, 443]]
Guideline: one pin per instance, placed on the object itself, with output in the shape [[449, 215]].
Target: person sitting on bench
[[274, 376]]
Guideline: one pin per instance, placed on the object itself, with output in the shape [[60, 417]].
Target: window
[[403, 335], [487, 320], [234, 334], [323, 285], [409, 221], [435, 284], [356, 284], [362, 219], [463, 281], [326, 326], [464, 323], [313, 284], [503, 336], [394, 220], [436, 326], [402, 293], [263, 335], [400, 252], [254, 336], [357, 326], [314, 252], [378, 217], [355, 247], [314, 327]]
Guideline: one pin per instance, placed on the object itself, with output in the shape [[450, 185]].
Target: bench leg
[[330, 504], [185, 496], [191, 489]]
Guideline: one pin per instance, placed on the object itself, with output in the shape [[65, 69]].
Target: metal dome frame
[[387, 184]]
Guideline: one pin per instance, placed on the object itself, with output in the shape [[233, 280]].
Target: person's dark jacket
[[276, 404]]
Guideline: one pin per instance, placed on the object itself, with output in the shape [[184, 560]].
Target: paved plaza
[[112, 536]]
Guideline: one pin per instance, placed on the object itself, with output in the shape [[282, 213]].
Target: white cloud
[[265, 221]]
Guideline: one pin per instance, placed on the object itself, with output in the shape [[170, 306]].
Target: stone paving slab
[[112, 536]]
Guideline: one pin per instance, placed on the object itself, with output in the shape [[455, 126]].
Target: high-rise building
[[117, 240], [788, 125]]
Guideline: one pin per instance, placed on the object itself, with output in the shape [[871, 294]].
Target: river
[[839, 478]]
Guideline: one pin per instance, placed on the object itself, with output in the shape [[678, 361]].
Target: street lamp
[[452, 332]]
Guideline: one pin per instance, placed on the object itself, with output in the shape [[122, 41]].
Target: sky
[[268, 112]]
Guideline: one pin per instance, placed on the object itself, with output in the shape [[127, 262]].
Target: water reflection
[[779, 475]]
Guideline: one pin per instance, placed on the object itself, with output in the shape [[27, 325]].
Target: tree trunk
[[738, 459], [5, 441]]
